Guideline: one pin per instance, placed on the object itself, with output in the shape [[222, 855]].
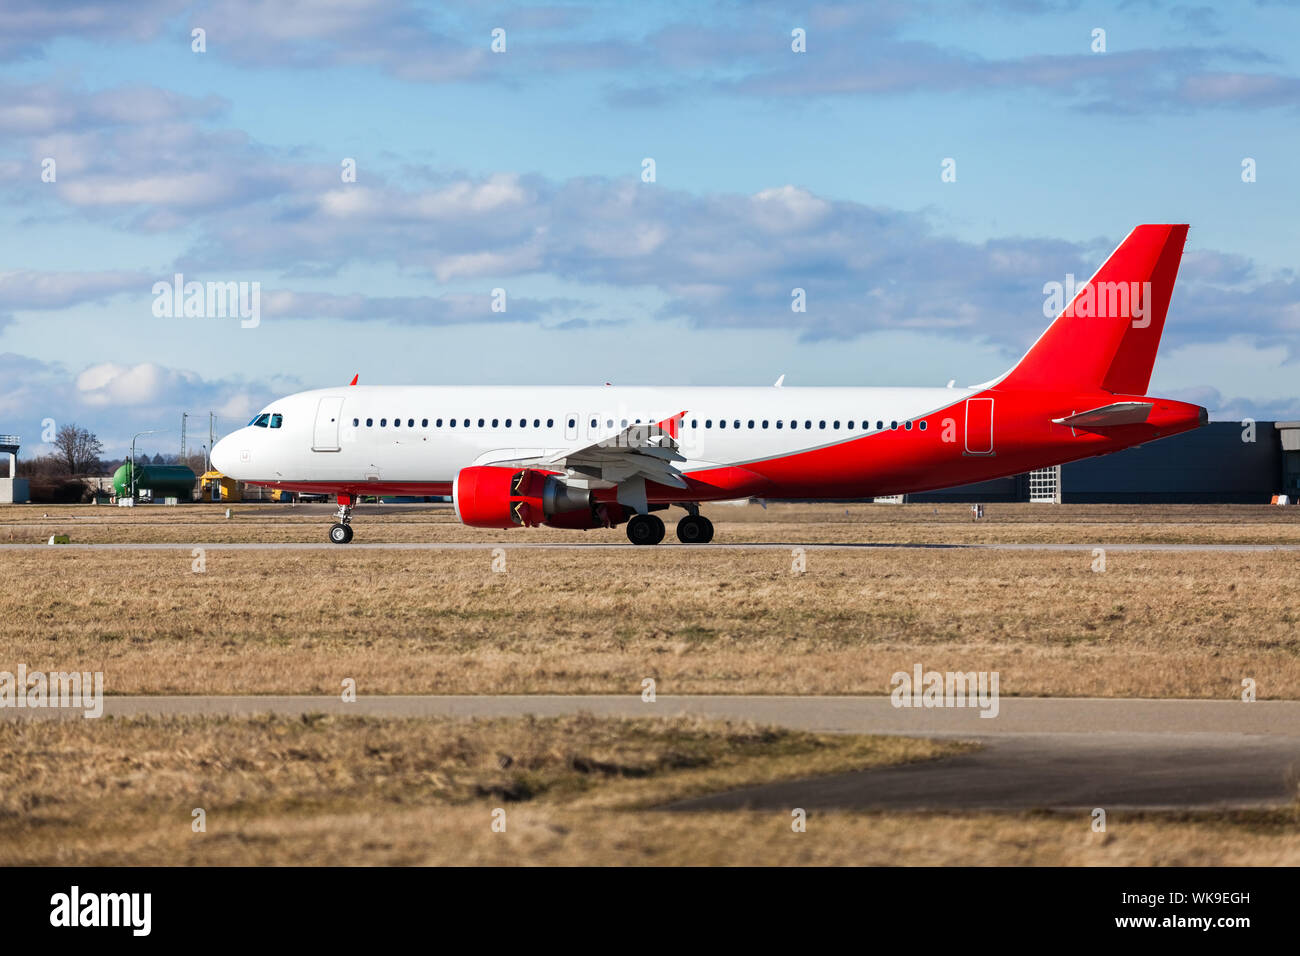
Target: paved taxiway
[[1037, 753], [612, 546]]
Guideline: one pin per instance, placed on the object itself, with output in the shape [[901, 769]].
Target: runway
[[1050, 753], [603, 546]]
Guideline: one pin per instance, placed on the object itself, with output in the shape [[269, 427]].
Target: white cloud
[[112, 384]]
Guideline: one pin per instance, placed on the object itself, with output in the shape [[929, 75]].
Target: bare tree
[[77, 449]]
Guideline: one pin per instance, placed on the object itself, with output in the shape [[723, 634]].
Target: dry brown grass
[[118, 791], [698, 620], [353, 791], [786, 523]]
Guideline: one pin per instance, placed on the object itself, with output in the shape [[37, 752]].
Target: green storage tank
[[163, 481]]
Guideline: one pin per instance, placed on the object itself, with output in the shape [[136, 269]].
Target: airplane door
[[326, 434], [571, 426], [979, 426]]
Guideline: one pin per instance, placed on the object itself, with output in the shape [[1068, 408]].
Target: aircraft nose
[[224, 456]]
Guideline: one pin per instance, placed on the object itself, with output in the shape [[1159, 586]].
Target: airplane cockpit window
[[277, 421], [261, 420]]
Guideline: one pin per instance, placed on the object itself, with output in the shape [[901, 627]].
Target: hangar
[[1222, 462]]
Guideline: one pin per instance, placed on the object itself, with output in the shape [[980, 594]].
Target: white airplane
[[590, 457]]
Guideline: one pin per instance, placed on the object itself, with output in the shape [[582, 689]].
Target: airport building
[[13, 490], [1223, 462]]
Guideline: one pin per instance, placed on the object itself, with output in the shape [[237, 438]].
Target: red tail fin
[[1106, 338]]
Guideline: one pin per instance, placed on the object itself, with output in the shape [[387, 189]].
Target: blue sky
[[522, 171]]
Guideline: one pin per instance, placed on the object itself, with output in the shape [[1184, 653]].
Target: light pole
[[133, 438]]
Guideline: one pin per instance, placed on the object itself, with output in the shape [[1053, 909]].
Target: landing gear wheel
[[695, 529], [645, 529], [341, 530]]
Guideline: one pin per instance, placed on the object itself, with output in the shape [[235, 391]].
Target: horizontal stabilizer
[[1119, 413]]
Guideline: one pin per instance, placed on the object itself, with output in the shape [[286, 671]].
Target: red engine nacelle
[[490, 496]]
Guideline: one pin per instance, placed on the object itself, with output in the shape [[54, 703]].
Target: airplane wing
[[1119, 413], [645, 451]]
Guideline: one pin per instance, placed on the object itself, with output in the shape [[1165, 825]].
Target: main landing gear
[[341, 531], [695, 529], [649, 529], [645, 529]]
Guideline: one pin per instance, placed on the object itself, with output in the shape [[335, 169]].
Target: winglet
[[354, 379], [780, 381], [671, 425]]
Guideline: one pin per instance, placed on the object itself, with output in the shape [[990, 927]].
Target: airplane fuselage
[[737, 441]]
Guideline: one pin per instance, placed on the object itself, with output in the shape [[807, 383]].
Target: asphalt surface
[[1050, 753], [324, 545]]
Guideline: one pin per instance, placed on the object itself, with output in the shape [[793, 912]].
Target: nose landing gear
[[341, 531]]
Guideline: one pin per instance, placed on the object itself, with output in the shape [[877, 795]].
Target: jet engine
[[492, 496]]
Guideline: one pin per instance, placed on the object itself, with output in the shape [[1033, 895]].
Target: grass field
[[698, 620], [701, 620], [355, 791]]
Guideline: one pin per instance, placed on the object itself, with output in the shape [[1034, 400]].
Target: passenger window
[[880, 426], [765, 423], [708, 423], [451, 422], [370, 422], [695, 423], [609, 423], [550, 423], [835, 425], [494, 422], [537, 423], [507, 422], [480, 422], [751, 423], [722, 423], [807, 424], [410, 423], [893, 426], [437, 423], [778, 423], [794, 423], [424, 423], [397, 423], [356, 422], [821, 424], [623, 424], [907, 426], [849, 424], [922, 426]]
